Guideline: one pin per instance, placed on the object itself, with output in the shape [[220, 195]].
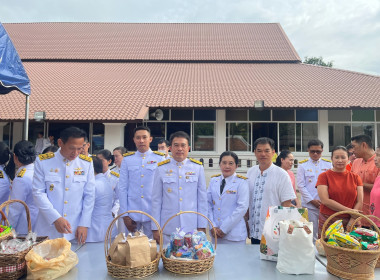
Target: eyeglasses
[[315, 152]]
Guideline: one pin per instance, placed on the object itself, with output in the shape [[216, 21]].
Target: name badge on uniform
[[51, 188], [231, 192], [190, 173], [151, 162], [78, 171]]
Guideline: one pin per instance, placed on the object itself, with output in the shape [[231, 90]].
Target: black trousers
[[255, 241]]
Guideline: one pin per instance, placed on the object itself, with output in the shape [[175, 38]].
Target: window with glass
[[287, 136], [364, 128], [238, 136], [339, 134], [203, 137], [97, 137]]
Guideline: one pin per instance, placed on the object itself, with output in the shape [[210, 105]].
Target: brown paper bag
[[118, 250], [138, 251], [153, 249]]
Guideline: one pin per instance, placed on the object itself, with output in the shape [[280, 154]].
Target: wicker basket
[[13, 266], [188, 267], [347, 263], [124, 272], [4, 222], [372, 217]]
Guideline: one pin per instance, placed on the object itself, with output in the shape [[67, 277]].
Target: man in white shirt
[[269, 185], [163, 147]]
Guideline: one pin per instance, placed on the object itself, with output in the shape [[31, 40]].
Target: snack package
[[203, 253], [346, 241], [332, 241], [198, 237], [363, 234], [370, 246], [337, 226]]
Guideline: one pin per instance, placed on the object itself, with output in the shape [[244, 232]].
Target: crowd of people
[[73, 194]]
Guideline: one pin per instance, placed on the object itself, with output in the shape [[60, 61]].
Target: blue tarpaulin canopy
[[12, 73]]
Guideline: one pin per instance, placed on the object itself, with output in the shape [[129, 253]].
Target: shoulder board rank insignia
[[128, 154], [46, 156], [163, 162], [216, 175], [159, 153], [115, 174], [86, 158], [326, 159], [302, 161], [241, 177], [196, 161], [21, 173], [1, 175]]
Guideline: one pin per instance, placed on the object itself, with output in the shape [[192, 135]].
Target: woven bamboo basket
[[124, 272], [188, 267], [372, 217], [348, 263], [13, 266]]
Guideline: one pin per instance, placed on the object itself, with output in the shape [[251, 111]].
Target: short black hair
[[5, 153], [315, 142], [98, 165], [343, 148], [121, 149], [349, 147], [283, 155], [50, 149], [73, 132], [263, 141], [362, 138], [229, 153], [25, 152], [106, 154], [179, 134], [141, 128], [161, 141]]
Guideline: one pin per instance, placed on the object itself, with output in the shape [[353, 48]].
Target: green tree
[[317, 61]]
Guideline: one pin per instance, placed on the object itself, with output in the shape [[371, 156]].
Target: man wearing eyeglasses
[[307, 175]]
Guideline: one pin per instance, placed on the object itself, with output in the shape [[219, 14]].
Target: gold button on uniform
[[180, 166], [142, 196], [65, 201], [64, 215], [66, 189], [219, 209], [142, 165], [218, 219], [180, 188], [67, 176], [142, 186], [67, 164], [142, 175], [180, 177], [180, 199]]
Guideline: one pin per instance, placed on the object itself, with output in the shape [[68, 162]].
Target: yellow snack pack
[[337, 226], [346, 241]]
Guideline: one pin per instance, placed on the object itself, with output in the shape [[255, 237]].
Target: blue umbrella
[[12, 73]]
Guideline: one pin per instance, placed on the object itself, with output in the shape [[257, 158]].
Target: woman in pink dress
[[375, 192], [285, 160]]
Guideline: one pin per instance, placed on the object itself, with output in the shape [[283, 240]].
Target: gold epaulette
[[21, 173], [326, 159], [163, 162], [86, 158], [196, 161], [216, 175], [1, 175], [241, 177], [159, 153], [128, 154], [46, 156], [115, 174], [302, 161]]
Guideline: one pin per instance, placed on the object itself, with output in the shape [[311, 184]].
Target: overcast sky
[[345, 32]]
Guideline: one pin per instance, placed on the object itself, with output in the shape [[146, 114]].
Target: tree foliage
[[317, 61]]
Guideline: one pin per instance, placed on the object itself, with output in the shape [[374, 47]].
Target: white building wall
[[113, 135]]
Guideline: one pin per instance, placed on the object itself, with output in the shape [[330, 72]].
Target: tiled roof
[[152, 41], [123, 91]]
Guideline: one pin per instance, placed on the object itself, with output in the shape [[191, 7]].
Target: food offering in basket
[[189, 246], [16, 245], [4, 230]]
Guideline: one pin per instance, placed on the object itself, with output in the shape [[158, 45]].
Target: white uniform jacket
[[307, 176], [179, 186], [5, 185], [22, 190], [63, 188], [102, 214], [136, 182], [227, 210], [113, 179]]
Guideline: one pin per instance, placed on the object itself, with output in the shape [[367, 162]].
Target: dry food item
[[337, 226], [320, 249], [346, 241], [203, 253], [370, 246], [332, 241], [363, 234], [198, 237]]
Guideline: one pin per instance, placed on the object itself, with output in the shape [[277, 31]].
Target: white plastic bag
[[296, 253]]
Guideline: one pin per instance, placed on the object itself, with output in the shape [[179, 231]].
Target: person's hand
[[62, 226], [213, 231], [81, 234], [220, 233], [202, 229], [130, 224], [316, 203], [156, 236]]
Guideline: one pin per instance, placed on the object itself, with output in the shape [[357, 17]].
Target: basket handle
[[6, 203], [357, 219], [108, 237], [4, 220], [191, 212], [347, 212]]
